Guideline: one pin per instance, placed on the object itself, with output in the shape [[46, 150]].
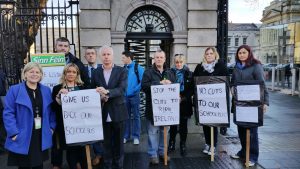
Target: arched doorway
[[148, 28]]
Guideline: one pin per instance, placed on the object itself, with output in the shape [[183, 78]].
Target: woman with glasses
[[185, 78], [210, 66]]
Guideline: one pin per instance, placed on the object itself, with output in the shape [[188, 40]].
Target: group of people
[[33, 115]]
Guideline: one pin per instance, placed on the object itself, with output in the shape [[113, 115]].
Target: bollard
[[282, 74], [273, 78], [293, 81], [277, 79], [299, 83]]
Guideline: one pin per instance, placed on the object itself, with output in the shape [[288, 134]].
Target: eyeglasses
[[179, 54]]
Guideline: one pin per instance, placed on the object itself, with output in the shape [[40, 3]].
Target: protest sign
[[165, 104], [212, 100], [82, 116], [212, 104], [247, 103], [53, 65]]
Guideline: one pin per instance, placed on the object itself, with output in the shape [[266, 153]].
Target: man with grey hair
[[110, 81], [158, 74]]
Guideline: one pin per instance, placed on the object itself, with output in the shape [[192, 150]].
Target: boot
[[171, 146], [182, 149]]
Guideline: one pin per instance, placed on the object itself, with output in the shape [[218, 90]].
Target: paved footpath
[[279, 143]]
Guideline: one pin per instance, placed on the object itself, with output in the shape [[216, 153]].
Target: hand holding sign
[[82, 116], [165, 104]]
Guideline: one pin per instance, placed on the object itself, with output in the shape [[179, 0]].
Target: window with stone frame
[[244, 40], [236, 41]]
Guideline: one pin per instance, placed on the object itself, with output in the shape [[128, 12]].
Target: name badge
[[37, 123]]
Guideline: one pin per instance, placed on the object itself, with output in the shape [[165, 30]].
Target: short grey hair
[[106, 47], [31, 65]]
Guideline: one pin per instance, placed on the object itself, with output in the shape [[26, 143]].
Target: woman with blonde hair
[[210, 66], [185, 78], [29, 120], [69, 81]]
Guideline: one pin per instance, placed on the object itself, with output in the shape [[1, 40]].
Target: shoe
[[163, 159], [209, 152], [182, 149], [124, 141], [154, 160], [136, 141], [235, 156], [251, 163], [171, 146], [206, 148], [96, 160]]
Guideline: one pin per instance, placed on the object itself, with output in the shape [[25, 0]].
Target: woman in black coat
[[210, 66], [69, 81], [185, 78]]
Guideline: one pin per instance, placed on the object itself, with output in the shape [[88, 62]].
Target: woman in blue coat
[[28, 120]]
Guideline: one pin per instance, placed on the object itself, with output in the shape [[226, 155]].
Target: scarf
[[209, 67], [240, 65], [180, 78]]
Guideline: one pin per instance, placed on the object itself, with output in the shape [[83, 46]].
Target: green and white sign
[[53, 66], [49, 59]]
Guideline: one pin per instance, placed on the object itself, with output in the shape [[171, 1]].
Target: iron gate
[[31, 26]]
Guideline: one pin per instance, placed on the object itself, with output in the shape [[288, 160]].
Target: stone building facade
[[240, 34], [192, 26], [280, 32]]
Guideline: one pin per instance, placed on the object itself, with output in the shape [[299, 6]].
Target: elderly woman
[[210, 66], [69, 81], [28, 120], [185, 78]]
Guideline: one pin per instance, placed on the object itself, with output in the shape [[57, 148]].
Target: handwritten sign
[[248, 92], [82, 116], [53, 65], [212, 103], [247, 114], [165, 104]]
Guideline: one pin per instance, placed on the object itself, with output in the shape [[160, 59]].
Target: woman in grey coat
[[248, 68]]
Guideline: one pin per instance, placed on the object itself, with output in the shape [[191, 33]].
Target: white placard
[[82, 116], [247, 114], [165, 104], [52, 75], [212, 103], [248, 92]]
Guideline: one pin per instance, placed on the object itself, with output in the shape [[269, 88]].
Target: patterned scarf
[[180, 77], [209, 67]]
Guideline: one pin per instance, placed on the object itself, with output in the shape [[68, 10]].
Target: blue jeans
[[133, 107], [254, 145], [155, 139], [98, 148]]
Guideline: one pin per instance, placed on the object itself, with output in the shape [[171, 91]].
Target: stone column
[[94, 24], [202, 25]]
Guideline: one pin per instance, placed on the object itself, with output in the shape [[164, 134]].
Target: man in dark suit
[[90, 55], [111, 82]]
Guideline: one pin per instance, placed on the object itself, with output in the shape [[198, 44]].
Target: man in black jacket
[[157, 75], [63, 46]]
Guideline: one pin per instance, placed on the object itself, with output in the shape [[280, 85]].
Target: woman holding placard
[[185, 78], [29, 120], [69, 81], [210, 66], [248, 68]]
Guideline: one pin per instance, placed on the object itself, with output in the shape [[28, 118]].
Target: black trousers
[[37, 167], [113, 145], [206, 131], [183, 130]]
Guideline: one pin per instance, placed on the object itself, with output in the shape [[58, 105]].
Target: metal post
[[273, 78], [299, 83], [278, 77], [293, 81], [282, 74]]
